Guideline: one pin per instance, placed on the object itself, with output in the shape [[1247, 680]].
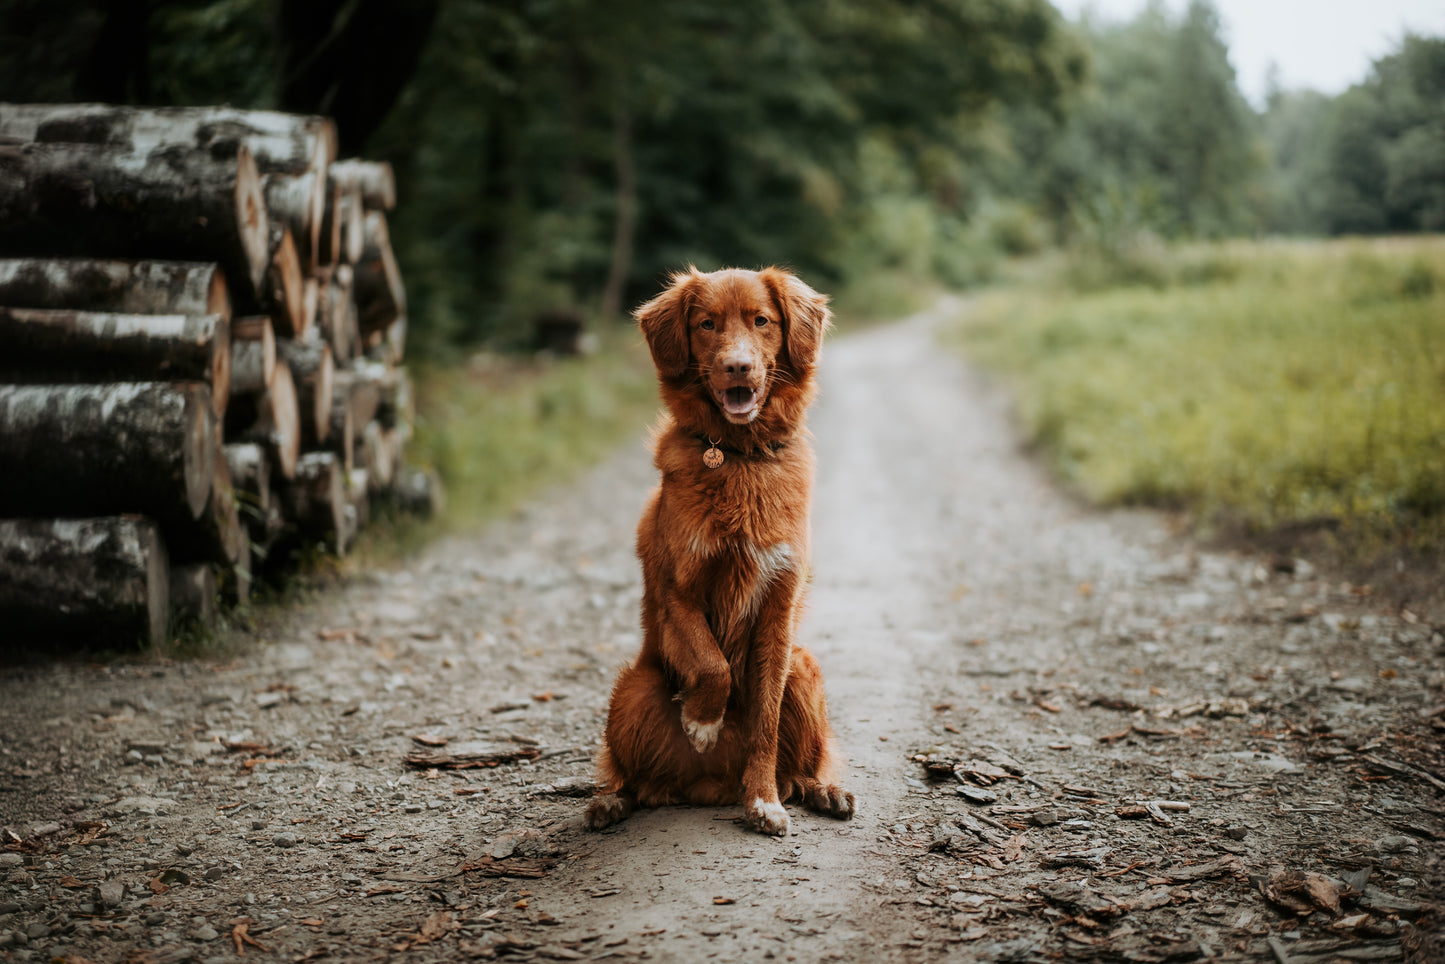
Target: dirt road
[[1071, 735]]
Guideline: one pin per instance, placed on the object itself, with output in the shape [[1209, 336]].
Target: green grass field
[[499, 428], [1258, 385]]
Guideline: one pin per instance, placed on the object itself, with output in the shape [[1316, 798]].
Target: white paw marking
[[702, 736], [770, 818]]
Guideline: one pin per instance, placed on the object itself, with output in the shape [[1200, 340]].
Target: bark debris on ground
[[1072, 734]]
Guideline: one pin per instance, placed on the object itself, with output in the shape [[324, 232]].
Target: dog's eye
[[706, 324], [760, 321]]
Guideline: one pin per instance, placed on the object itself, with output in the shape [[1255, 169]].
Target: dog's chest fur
[[733, 535]]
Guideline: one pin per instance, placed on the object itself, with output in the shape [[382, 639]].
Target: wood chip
[[472, 755]]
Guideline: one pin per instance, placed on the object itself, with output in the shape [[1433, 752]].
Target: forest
[[563, 155]]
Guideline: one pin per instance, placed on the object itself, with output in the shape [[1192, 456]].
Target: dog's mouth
[[739, 403]]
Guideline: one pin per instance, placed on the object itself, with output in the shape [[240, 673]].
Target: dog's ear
[[805, 313], [664, 323]]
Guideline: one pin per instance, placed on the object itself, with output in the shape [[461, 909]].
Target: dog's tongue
[[738, 401]]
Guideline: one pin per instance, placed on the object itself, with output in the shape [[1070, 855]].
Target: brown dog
[[721, 705]]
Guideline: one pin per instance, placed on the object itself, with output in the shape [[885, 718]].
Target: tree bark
[[272, 419], [74, 450], [374, 181], [253, 355], [280, 142], [51, 345], [625, 228], [380, 297], [72, 199], [105, 579], [312, 370], [128, 287]]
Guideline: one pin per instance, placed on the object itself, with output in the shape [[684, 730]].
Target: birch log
[[373, 180], [253, 355], [280, 142], [313, 371], [105, 580], [129, 287], [270, 418], [72, 199], [380, 297], [53, 345], [80, 450]]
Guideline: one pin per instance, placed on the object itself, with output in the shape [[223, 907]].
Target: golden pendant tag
[[713, 457]]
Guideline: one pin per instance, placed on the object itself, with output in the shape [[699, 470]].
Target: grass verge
[[1264, 387], [498, 429]]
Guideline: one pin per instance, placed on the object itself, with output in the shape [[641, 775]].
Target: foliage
[[1371, 160], [1268, 384], [497, 429]]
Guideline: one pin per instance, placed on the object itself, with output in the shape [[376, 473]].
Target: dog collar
[[714, 452]]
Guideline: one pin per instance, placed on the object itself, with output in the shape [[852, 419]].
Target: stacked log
[[168, 426]]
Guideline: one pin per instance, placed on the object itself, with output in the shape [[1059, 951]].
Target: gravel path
[[1072, 734]]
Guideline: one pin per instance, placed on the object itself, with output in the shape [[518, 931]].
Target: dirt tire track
[[948, 572]]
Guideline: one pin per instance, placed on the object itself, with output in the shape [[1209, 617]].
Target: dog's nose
[[737, 364]]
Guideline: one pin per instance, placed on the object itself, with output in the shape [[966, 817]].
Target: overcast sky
[[1326, 45]]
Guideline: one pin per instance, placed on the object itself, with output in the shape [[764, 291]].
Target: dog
[[721, 705]]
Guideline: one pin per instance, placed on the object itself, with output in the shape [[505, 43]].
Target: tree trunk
[[299, 202], [380, 297], [625, 228], [315, 500], [173, 203], [373, 180], [51, 345], [272, 419], [104, 580], [397, 404], [280, 143], [312, 371], [193, 593], [129, 287], [253, 355], [74, 450]]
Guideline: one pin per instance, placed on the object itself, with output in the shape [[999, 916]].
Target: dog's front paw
[[702, 736], [768, 818]]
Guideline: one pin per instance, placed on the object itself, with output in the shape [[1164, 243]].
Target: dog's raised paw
[[702, 736], [768, 818], [605, 809]]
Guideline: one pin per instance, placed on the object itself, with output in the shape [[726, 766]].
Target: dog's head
[[738, 338]]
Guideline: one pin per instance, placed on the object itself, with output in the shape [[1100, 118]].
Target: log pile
[[201, 333]]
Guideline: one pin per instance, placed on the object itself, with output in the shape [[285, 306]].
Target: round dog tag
[[713, 457]]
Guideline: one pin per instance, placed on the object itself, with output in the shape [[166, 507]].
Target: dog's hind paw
[[830, 800], [768, 818], [702, 736], [605, 809]]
